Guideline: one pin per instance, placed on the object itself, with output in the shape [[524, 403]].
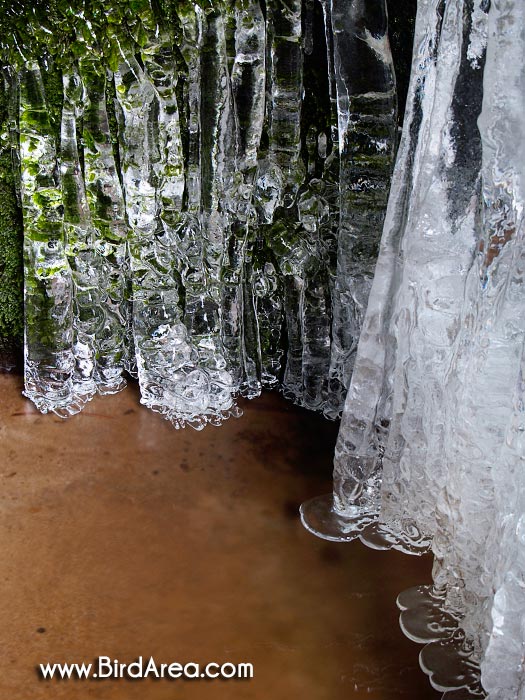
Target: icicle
[[214, 139], [249, 81], [240, 332], [106, 203], [478, 540], [160, 337], [286, 89], [366, 109], [267, 285], [293, 302], [181, 367], [328, 153], [88, 316], [48, 297], [281, 174], [205, 292], [316, 338], [175, 355], [317, 212], [355, 501], [329, 39], [438, 384], [438, 248]]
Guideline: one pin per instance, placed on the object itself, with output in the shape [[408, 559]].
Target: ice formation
[[429, 453], [207, 217], [203, 187]]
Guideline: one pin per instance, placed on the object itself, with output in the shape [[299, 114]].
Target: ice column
[[366, 113], [495, 619], [48, 294], [354, 503], [248, 81], [108, 216], [217, 166], [209, 193], [438, 248], [394, 411], [318, 208], [88, 316], [478, 541], [280, 174]]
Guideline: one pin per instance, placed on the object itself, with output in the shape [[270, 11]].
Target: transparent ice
[[219, 236], [429, 451], [49, 362], [208, 218]]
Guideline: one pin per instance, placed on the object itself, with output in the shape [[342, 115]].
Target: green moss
[[11, 236]]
